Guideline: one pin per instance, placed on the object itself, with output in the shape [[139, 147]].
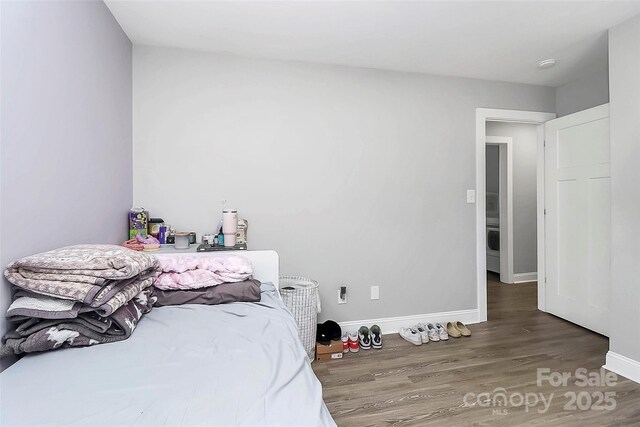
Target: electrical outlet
[[375, 292], [342, 295]]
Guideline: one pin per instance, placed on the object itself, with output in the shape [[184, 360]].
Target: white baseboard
[[391, 325], [525, 277], [623, 365]]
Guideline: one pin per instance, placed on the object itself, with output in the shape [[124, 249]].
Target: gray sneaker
[[376, 337], [364, 338]]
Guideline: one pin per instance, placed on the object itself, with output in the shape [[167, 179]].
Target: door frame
[[505, 145], [515, 116]]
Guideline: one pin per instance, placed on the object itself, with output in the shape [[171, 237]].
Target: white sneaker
[[345, 342], [442, 332], [424, 333], [352, 340], [412, 335], [433, 332]]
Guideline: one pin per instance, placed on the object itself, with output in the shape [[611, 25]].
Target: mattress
[[238, 364]]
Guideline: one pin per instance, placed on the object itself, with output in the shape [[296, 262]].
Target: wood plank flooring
[[407, 385]]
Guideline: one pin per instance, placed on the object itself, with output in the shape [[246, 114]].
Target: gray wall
[[354, 176], [66, 161], [624, 62], [583, 93], [525, 147]]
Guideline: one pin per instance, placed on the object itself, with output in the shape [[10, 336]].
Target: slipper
[[453, 331], [464, 331]]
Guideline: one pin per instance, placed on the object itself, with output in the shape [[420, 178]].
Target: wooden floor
[[404, 385]]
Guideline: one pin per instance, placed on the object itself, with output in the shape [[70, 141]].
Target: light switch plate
[[375, 292], [471, 196]]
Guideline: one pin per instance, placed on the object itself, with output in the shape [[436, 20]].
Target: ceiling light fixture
[[546, 63]]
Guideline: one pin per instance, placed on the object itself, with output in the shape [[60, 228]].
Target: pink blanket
[[194, 272]]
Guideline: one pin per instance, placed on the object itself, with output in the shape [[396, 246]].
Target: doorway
[[484, 115]]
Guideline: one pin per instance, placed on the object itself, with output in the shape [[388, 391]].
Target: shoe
[[423, 331], [353, 342], [442, 332], [433, 332], [376, 337], [453, 331], [412, 335], [365, 338], [466, 332], [345, 342]]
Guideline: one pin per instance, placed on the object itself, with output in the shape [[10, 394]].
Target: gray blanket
[[111, 297], [35, 334], [90, 274], [77, 296], [245, 291]]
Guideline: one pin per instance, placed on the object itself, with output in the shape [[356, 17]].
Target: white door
[[578, 218]]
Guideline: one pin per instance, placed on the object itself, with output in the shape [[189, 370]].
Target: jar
[[154, 226]]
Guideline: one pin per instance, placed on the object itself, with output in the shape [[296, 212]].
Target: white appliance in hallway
[[578, 218], [493, 245], [493, 209]]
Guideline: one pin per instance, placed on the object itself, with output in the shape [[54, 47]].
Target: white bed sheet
[[237, 364]]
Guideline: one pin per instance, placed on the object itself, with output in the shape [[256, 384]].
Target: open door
[[578, 218]]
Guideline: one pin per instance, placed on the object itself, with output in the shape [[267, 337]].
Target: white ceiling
[[486, 40]]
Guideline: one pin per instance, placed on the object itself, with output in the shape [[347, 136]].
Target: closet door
[[578, 218]]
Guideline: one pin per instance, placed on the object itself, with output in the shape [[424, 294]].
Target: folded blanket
[[91, 274], [108, 300], [200, 272], [245, 291], [28, 305], [87, 329]]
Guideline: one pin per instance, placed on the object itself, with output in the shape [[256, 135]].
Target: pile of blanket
[[77, 296], [205, 280]]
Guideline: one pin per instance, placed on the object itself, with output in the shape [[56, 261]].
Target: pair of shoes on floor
[[350, 342], [432, 332], [364, 339], [370, 337], [423, 333], [458, 329]]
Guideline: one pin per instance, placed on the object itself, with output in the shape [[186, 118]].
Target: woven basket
[[300, 295]]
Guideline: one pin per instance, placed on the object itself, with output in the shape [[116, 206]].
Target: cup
[[182, 241], [229, 226]]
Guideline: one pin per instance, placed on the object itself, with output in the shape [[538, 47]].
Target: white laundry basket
[[300, 295]]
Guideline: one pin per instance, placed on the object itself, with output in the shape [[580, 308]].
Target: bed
[[192, 365]]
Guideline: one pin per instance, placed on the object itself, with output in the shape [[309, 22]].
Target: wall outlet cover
[[342, 295]]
